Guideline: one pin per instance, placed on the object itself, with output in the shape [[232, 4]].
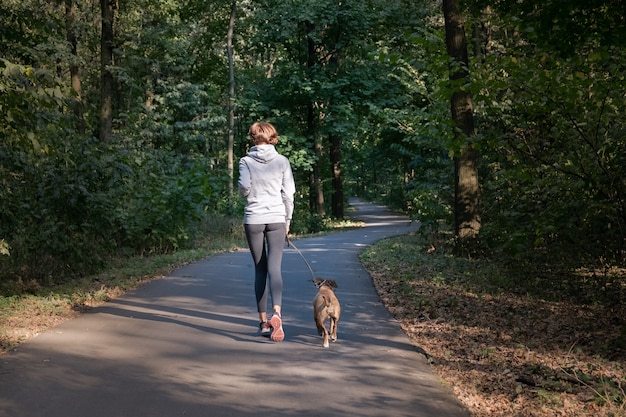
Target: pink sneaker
[[278, 335]]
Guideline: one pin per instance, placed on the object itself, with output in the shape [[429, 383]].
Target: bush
[[65, 211]]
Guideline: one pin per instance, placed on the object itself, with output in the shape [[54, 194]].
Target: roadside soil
[[512, 356]]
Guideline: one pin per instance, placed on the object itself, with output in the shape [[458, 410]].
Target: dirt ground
[[513, 356]]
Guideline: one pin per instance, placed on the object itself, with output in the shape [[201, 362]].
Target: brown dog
[[326, 306]]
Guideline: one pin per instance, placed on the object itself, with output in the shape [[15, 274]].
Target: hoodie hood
[[263, 153]]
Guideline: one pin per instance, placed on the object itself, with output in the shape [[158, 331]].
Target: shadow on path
[[187, 346]]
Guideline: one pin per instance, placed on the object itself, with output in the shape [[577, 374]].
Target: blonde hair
[[263, 133]]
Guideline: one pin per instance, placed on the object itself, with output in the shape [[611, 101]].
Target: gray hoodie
[[266, 180]]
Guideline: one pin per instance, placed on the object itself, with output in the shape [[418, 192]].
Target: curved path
[[187, 345]]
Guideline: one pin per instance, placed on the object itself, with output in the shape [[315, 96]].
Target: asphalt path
[[187, 345]]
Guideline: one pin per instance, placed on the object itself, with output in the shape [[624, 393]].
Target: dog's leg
[[333, 329], [330, 321], [320, 326], [325, 343], [320, 322]]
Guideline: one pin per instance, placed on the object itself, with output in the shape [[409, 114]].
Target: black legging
[[267, 263]]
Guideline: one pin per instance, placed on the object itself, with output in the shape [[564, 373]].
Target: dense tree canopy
[[360, 93]]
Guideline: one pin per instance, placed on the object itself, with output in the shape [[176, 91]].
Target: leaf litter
[[504, 354]]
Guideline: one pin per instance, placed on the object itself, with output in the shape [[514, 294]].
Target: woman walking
[[266, 181]]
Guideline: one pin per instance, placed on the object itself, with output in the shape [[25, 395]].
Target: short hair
[[263, 133]]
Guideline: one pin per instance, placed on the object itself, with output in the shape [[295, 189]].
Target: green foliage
[[67, 202], [28, 103], [304, 221], [321, 79], [421, 136], [550, 125], [566, 27], [550, 130], [68, 210], [555, 141], [162, 198], [180, 119]]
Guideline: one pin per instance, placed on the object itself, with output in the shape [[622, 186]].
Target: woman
[[266, 180]]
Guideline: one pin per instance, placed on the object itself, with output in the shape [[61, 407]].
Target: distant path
[[187, 346]]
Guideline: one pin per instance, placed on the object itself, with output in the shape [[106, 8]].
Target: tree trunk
[[466, 207], [106, 61], [335, 162], [231, 100], [467, 214], [316, 190], [320, 204], [335, 157], [311, 134], [70, 21]]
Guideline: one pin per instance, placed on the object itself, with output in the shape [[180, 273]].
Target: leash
[[290, 243]]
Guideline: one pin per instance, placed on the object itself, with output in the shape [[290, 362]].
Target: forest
[[499, 126], [122, 122]]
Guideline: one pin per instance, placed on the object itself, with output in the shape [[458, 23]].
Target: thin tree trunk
[[335, 158], [70, 21], [466, 207], [231, 99], [311, 132], [335, 161], [310, 116], [318, 187], [316, 190], [106, 61]]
